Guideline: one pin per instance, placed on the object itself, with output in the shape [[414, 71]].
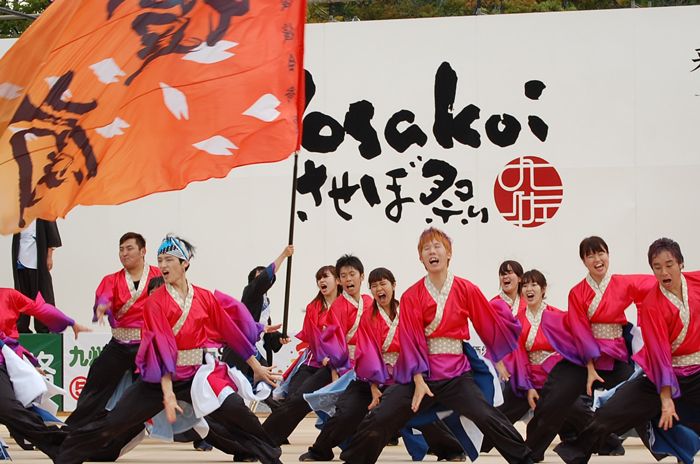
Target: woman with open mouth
[[313, 363], [315, 321], [509, 277], [535, 357], [589, 336]]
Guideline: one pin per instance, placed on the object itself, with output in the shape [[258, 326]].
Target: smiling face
[[435, 257], [130, 255], [509, 282], [383, 293], [533, 294], [171, 268], [351, 279], [667, 271], [597, 264], [327, 284]]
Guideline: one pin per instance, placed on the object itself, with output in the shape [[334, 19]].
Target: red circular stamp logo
[[76, 386], [528, 192]]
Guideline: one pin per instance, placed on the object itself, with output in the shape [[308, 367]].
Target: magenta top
[[571, 333], [315, 321], [526, 375], [206, 321], [662, 324], [463, 301], [114, 291], [342, 329]]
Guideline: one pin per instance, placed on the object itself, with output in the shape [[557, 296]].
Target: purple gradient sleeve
[[54, 319], [312, 335], [518, 364], [576, 344], [332, 345], [413, 356], [240, 315], [655, 357], [104, 299], [229, 330], [157, 353], [156, 356], [494, 323], [369, 362]]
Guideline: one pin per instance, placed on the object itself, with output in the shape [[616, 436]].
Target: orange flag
[[106, 101]]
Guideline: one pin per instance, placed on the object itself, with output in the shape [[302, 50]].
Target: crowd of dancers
[[384, 368]]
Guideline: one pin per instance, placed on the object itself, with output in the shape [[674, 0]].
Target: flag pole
[[288, 283]]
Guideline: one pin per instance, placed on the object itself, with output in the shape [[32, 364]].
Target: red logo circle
[[76, 386], [528, 192]]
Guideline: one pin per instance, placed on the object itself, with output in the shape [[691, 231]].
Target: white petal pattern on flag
[[30, 137], [216, 145], [207, 55], [107, 71], [265, 108], [113, 129], [176, 101], [51, 81], [67, 95], [9, 91]]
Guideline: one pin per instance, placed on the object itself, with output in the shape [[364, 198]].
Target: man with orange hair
[[432, 367]]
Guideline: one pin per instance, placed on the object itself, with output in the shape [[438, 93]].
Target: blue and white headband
[[174, 247]]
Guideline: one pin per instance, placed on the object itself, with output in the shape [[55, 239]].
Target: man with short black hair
[[120, 298]]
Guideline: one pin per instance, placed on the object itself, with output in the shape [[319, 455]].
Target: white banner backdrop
[[542, 129], [78, 356]]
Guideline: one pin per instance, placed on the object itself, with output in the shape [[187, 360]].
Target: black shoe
[[527, 460], [393, 442], [243, 457], [571, 454], [618, 450], [308, 457], [456, 457], [201, 445]]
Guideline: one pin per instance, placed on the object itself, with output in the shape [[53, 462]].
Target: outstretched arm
[[286, 253]]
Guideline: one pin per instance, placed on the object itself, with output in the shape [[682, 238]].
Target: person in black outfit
[[260, 280], [32, 278]]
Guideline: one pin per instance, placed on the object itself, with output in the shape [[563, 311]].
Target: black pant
[[103, 378], [283, 420], [634, 403], [514, 407], [351, 409], [25, 424], [565, 384], [28, 285], [460, 394], [233, 427]]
